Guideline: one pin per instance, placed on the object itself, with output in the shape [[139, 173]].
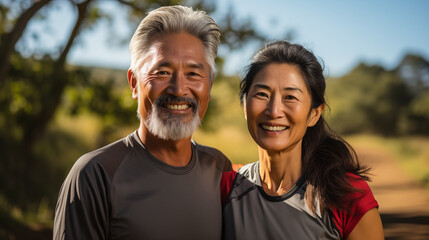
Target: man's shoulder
[[208, 150], [108, 157], [210, 153]]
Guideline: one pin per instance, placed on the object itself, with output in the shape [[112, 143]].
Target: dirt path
[[404, 203]]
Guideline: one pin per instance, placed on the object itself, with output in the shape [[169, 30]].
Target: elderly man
[[155, 183]]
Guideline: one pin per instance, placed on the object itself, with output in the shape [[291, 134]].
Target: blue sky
[[342, 33]]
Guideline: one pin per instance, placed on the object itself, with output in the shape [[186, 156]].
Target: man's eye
[[163, 73], [262, 94], [193, 74]]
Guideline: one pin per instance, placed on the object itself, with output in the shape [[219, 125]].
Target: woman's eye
[[290, 97]]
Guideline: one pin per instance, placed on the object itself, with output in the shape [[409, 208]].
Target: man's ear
[[132, 81], [315, 115], [211, 85]]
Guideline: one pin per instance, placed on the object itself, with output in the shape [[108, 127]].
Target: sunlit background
[[64, 92]]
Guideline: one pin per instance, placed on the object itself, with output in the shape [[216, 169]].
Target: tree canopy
[[371, 99]]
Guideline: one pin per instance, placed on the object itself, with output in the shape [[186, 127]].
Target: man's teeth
[[178, 107], [273, 128]]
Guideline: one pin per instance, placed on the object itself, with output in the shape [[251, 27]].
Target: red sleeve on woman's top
[[226, 184], [356, 205]]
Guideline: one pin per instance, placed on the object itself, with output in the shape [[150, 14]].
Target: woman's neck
[[279, 171]]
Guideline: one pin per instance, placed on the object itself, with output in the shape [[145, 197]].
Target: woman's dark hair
[[326, 157]]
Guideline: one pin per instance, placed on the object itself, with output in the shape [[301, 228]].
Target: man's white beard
[[169, 126]]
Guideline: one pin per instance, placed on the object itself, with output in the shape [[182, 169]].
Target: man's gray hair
[[175, 19]]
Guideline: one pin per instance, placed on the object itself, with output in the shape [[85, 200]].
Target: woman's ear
[[132, 81], [244, 109], [315, 115]]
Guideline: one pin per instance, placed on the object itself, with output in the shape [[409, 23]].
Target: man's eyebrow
[[196, 65], [191, 65], [163, 64]]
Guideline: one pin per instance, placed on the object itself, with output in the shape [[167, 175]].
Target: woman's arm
[[369, 227]]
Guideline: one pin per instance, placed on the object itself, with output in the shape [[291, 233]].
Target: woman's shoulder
[[356, 204], [248, 168], [229, 178]]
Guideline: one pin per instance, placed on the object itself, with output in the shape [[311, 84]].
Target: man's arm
[[82, 210]]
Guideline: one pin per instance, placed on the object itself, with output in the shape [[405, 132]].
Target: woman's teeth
[[273, 128]]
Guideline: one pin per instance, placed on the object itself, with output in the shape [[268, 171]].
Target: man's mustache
[[163, 100]]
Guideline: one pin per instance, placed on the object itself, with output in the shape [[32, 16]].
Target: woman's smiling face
[[277, 107]]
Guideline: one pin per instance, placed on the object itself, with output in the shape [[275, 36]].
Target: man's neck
[[174, 153]]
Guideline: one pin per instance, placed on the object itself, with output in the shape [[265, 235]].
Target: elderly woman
[[308, 183]]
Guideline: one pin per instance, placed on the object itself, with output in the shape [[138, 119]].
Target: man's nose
[[177, 86]]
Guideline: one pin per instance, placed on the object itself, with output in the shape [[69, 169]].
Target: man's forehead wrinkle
[[164, 53], [160, 61], [196, 65], [163, 63]]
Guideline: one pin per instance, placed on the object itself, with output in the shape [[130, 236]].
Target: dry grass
[[412, 153]]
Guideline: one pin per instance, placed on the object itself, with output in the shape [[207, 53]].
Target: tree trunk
[[11, 38], [58, 81]]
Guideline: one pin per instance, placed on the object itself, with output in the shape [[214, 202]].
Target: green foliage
[[23, 100], [371, 99], [416, 121], [420, 105], [105, 94], [414, 69], [31, 171]]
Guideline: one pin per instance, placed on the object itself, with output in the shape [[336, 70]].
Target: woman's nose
[[274, 108]]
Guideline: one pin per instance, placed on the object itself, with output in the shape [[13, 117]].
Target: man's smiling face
[[173, 86]]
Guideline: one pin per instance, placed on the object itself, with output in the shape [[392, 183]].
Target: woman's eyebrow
[[263, 86], [260, 85], [292, 89]]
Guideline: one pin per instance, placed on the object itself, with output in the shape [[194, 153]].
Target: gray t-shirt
[[121, 191], [250, 213]]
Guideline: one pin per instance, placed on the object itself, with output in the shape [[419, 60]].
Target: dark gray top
[[249, 213], [121, 191]]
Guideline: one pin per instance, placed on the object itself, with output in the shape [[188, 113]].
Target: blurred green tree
[[31, 91], [368, 99], [414, 70], [371, 99]]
